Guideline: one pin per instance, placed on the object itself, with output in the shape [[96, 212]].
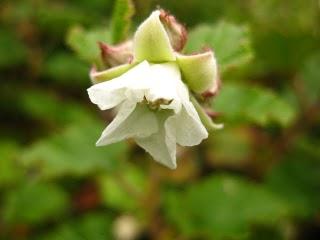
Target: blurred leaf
[[121, 20], [35, 203], [296, 17], [121, 189], [10, 172], [283, 53], [93, 226], [254, 104], [52, 109], [230, 43], [84, 43], [60, 17], [67, 69], [73, 152], [238, 142], [222, 207], [268, 233], [297, 179], [12, 50], [310, 74]]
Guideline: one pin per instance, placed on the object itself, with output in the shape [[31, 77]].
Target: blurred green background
[[258, 178]]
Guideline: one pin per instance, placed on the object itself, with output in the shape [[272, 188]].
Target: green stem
[[206, 120]]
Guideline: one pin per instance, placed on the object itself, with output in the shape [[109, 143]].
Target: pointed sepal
[[199, 71], [102, 76], [151, 41]]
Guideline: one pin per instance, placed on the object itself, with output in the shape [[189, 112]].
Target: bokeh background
[[258, 178]]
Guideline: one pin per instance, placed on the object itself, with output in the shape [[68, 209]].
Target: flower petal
[[151, 41], [199, 71], [132, 120], [162, 144], [165, 79], [131, 85], [187, 126]]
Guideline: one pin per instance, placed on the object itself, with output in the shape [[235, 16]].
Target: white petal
[[131, 84], [187, 126], [132, 120], [164, 84], [161, 145]]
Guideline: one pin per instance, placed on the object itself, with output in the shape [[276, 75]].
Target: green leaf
[[34, 203], [222, 207], [297, 179], [231, 43], [73, 152], [13, 51], [10, 171], [122, 189], [310, 74], [121, 20], [239, 143], [93, 226], [84, 43], [66, 69], [52, 110], [253, 104], [60, 17]]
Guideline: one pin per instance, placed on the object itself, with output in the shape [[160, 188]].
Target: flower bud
[[176, 31], [116, 55]]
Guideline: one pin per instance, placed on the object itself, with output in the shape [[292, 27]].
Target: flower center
[[155, 105]]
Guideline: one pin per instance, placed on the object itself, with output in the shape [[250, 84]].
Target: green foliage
[[310, 76], [121, 20], [52, 110], [94, 226], [253, 104], [13, 51], [222, 207], [10, 172], [297, 179], [34, 203], [230, 43], [73, 153], [66, 69], [59, 18], [84, 43], [122, 189]]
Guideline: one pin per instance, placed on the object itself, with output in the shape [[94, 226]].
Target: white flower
[[151, 90], [155, 110]]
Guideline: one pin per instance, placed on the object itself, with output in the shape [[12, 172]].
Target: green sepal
[[199, 71], [98, 77], [151, 41]]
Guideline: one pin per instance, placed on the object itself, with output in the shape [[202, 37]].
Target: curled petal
[[162, 144], [130, 85], [187, 126], [151, 41], [132, 120], [199, 71]]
